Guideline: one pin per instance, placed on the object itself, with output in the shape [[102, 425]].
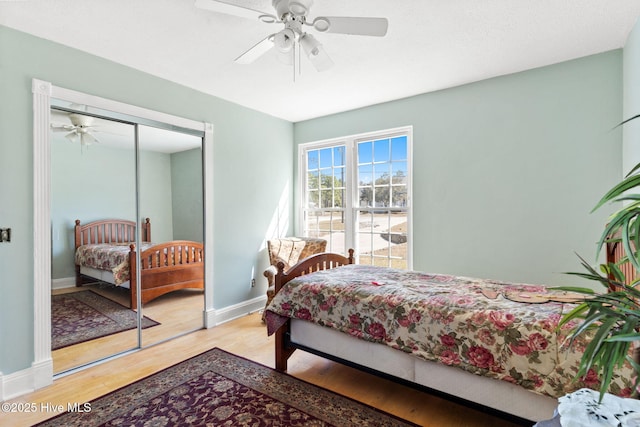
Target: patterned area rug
[[217, 388], [82, 316]]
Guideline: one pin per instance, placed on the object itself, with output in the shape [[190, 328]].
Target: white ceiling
[[430, 45]]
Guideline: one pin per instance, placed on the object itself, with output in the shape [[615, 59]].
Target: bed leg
[[283, 350], [78, 276], [134, 299], [133, 274]]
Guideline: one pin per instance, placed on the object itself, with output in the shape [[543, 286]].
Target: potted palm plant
[[613, 316]]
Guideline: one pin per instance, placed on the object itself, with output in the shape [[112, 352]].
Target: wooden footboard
[[166, 267], [318, 262]]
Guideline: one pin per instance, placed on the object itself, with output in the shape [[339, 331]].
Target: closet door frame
[[43, 93]]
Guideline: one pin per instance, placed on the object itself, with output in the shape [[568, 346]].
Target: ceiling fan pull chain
[[295, 50]]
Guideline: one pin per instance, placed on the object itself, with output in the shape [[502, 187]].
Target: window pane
[[399, 196], [366, 197], [326, 199], [338, 177], [381, 174], [381, 150], [326, 178], [382, 197], [338, 156], [399, 172], [312, 180], [313, 199], [365, 174], [326, 159], [312, 160], [338, 198], [365, 152], [399, 148], [365, 221]]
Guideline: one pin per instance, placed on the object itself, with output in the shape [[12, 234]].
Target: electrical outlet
[[253, 283], [5, 234]]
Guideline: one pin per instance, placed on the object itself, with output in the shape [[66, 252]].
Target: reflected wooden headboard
[[110, 231]]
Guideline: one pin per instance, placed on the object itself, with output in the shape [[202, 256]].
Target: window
[[356, 194]]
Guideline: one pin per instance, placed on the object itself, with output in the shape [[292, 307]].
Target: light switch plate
[[5, 234]]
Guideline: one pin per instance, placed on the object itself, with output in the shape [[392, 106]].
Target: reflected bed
[[105, 250]]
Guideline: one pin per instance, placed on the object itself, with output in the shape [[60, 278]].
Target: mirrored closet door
[[127, 229], [171, 198]]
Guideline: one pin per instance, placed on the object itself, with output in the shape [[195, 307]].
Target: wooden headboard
[[110, 231]]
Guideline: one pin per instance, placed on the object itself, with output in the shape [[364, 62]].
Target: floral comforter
[[113, 257], [463, 322]]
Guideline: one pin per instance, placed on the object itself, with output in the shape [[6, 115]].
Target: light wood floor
[[177, 312], [247, 337]]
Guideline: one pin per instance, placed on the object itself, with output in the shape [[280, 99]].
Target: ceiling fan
[[80, 130], [294, 15]]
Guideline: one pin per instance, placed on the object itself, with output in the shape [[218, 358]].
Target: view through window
[[357, 195]]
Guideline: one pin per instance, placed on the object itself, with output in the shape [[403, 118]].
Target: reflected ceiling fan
[[80, 130], [293, 14]]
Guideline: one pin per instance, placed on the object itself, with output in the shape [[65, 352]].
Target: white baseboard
[[65, 282], [41, 374], [27, 380], [226, 314]]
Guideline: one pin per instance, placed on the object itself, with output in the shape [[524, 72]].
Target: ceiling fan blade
[[72, 136], [88, 139], [58, 127], [259, 49], [352, 25], [232, 9]]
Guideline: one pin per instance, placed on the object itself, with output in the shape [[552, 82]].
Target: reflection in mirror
[[171, 195], [93, 178]]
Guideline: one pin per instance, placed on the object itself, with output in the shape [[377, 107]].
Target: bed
[[106, 250], [489, 344]]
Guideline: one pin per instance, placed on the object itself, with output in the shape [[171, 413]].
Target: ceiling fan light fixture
[[285, 58], [284, 40], [80, 120], [300, 7], [315, 52]]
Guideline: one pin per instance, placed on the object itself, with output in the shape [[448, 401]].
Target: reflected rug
[[217, 388], [82, 316]]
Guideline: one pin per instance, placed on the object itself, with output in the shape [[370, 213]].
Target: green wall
[[247, 186], [186, 174], [631, 130], [506, 170], [95, 183]]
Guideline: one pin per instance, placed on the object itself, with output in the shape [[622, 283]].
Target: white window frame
[[352, 200]]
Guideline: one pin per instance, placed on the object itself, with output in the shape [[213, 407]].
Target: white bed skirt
[[102, 275], [496, 394]]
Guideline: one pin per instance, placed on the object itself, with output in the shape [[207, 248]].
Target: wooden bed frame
[[501, 398], [159, 273], [318, 262]]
